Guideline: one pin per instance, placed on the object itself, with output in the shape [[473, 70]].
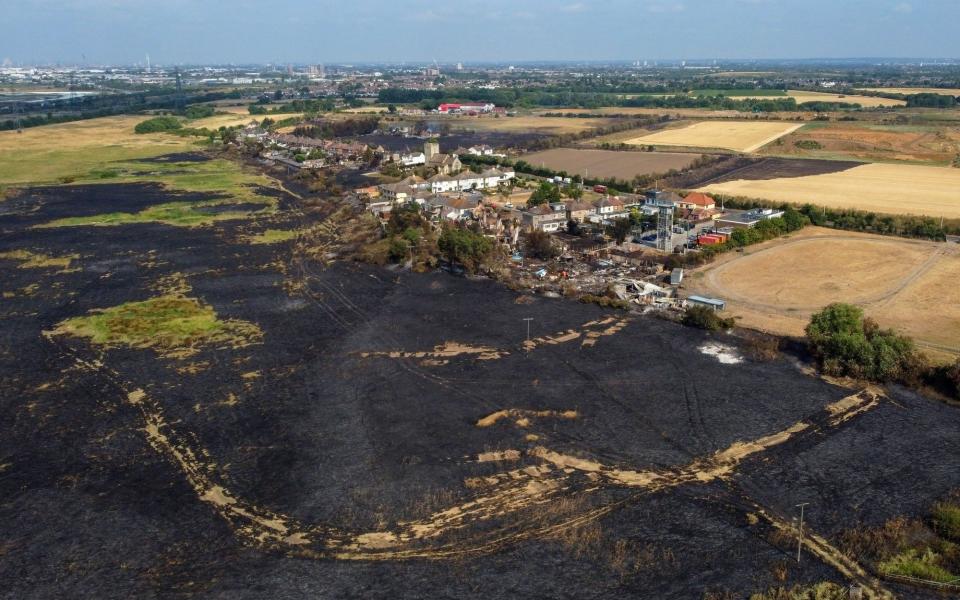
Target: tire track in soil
[[269, 530]]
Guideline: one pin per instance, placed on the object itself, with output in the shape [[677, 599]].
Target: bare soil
[[610, 163]]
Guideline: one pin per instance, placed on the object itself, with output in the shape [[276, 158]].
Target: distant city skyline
[[364, 31]]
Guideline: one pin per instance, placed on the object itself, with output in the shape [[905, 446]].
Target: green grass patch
[[173, 325], [946, 520], [226, 180], [913, 563], [272, 236], [178, 214], [31, 260]]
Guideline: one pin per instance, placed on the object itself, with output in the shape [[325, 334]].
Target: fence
[[927, 583]]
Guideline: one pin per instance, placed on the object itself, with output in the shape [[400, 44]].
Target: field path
[[712, 277]]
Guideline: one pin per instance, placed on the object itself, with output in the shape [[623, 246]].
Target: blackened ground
[[303, 425], [731, 168]]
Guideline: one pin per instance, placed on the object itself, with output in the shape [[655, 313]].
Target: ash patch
[[33, 206], [726, 355], [776, 168], [190, 157]]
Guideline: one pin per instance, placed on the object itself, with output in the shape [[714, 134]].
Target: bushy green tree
[[464, 247], [199, 111], [158, 124], [848, 344], [546, 193]]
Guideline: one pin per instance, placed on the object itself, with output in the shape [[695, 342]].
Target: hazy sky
[[206, 31]]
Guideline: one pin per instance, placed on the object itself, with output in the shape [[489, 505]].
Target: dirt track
[[626, 462]]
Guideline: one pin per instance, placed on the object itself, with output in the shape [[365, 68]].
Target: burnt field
[[380, 434], [751, 168]]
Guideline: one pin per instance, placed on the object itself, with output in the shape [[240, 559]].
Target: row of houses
[[442, 206], [414, 187]]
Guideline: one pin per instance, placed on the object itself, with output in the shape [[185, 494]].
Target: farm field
[[878, 187], [635, 110], [804, 96], [741, 136], [871, 142], [864, 101], [524, 124], [907, 91], [906, 285], [609, 163]]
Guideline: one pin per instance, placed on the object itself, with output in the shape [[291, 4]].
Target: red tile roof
[[699, 199]]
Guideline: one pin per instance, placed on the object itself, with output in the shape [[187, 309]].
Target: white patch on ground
[[725, 354]]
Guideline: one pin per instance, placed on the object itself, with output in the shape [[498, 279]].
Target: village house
[[410, 159], [455, 208], [696, 201], [468, 180], [371, 191], [379, 206], [609, 207], [579, 211], [544, 218]]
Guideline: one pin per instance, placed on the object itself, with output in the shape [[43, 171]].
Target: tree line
[[528, 98], [330, 128], [911, 226]]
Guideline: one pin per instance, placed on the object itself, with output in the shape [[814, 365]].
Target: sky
[[327, 31]]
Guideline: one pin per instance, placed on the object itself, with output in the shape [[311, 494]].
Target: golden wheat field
[[864, 101], [878, 187], [742, 136], [906, 91]]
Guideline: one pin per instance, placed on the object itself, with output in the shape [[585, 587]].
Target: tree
[[546, 193], [398, 249], [465, 247], [620, 230], [847, 344], [392, 108], [573, 191], [158, 124]]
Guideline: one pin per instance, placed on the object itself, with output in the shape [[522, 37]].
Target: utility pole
[[800, 531], [528, 319]]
